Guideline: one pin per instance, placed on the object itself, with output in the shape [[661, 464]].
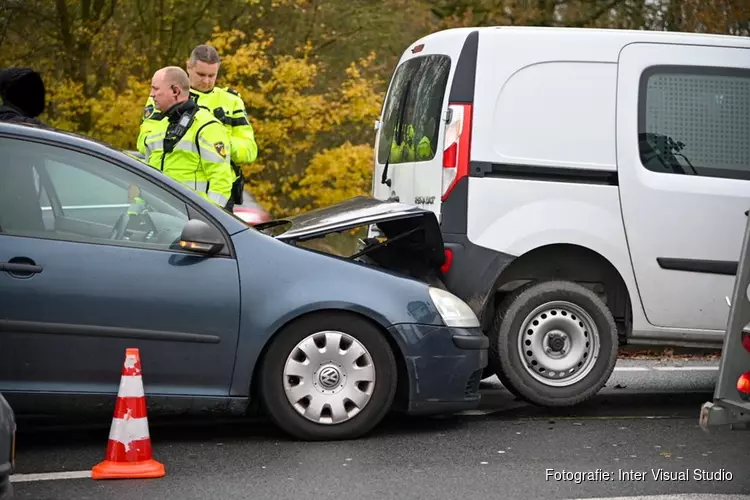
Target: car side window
[[55, 193], [695, 121]]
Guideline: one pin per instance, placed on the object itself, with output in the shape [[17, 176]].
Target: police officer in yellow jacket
[[225, 104], [190, 145], [404, 152]]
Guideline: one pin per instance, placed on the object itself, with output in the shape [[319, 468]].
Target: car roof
[[623, 36], [31, 131]]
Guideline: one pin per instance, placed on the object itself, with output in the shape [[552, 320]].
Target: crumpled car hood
[[417, 229]]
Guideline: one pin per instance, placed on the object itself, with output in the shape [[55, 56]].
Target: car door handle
[[19, 268]]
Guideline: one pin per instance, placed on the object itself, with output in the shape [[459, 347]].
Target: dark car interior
[[30, 205]]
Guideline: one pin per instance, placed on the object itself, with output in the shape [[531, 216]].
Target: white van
[[591, 186]]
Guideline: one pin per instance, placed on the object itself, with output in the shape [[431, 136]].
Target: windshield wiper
[[401, 114], [384, 178]]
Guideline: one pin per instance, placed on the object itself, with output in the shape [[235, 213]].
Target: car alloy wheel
[[329, 377]]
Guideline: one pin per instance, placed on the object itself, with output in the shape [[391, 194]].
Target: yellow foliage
[[294, 115], [337, 174], [303, 124]]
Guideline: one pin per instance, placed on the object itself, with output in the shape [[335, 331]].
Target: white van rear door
[[413, 130]]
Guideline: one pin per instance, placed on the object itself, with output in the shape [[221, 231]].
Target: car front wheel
[[328, 377], [553, 343]]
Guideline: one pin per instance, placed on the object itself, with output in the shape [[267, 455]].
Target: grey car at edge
[[228, 317], [7, 448]]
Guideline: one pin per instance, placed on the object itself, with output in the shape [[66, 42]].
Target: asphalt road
[[644, 421]]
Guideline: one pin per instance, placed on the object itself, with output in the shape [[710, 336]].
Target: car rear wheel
[[328, 377], [553, 343]]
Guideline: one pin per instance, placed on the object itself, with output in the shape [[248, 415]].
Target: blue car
[[100, 252]]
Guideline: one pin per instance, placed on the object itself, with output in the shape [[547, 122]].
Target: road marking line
[[603, 417], [685, 368], [679, 496], [475, 412], [698, 368], [50, 476], [580, 417]]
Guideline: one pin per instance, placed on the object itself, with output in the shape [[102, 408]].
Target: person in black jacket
[[23, 95]]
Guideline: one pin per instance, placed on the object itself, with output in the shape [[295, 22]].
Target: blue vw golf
[[224, 313]]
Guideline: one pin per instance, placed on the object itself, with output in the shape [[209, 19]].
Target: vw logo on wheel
[[329, 377]]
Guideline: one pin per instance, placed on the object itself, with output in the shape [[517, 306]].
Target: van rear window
[[413, 110]]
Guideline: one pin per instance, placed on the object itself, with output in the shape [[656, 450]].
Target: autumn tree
[[98, 58]]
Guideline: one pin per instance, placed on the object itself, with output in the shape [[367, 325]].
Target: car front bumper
[[444, 365]]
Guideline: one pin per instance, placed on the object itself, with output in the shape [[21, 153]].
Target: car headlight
[[454, 311]]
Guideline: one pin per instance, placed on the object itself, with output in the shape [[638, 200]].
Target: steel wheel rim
[[329, 377], [558, 343]]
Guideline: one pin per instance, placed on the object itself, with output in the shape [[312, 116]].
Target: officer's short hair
[[174, 75], [206, 54]]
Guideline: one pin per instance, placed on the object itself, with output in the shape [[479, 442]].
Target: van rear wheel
[[553, 343]]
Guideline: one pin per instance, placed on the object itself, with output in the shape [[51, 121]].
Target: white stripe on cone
[[131, 386], [127, 430]]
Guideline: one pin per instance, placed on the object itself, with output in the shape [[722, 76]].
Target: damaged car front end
[[444, 361], [411, 244]]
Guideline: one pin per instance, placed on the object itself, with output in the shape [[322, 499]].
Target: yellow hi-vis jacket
[[228, 107], [199, 159], [404, 152]]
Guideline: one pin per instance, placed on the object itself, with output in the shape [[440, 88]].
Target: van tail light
[[448, 261], [456, 147], [743, 386], [746, 340]]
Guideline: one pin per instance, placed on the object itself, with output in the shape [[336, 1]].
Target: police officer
[[226, 105], [189, 144], [410, 150]]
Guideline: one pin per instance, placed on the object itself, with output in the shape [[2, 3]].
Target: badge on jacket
[[219, 146], [148, 111]]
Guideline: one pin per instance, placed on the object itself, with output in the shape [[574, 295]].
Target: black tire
[[488, 372], [507, 362], [275, 401]]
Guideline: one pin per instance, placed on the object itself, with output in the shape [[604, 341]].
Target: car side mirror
[[198, 236]]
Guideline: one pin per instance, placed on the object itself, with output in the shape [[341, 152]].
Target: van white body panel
[[530, 97], [531, 214], [562, 98]]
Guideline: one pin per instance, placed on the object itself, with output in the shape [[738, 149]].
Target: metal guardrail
[[728, 407]]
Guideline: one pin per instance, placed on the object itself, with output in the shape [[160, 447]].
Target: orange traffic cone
[[129, 447]]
